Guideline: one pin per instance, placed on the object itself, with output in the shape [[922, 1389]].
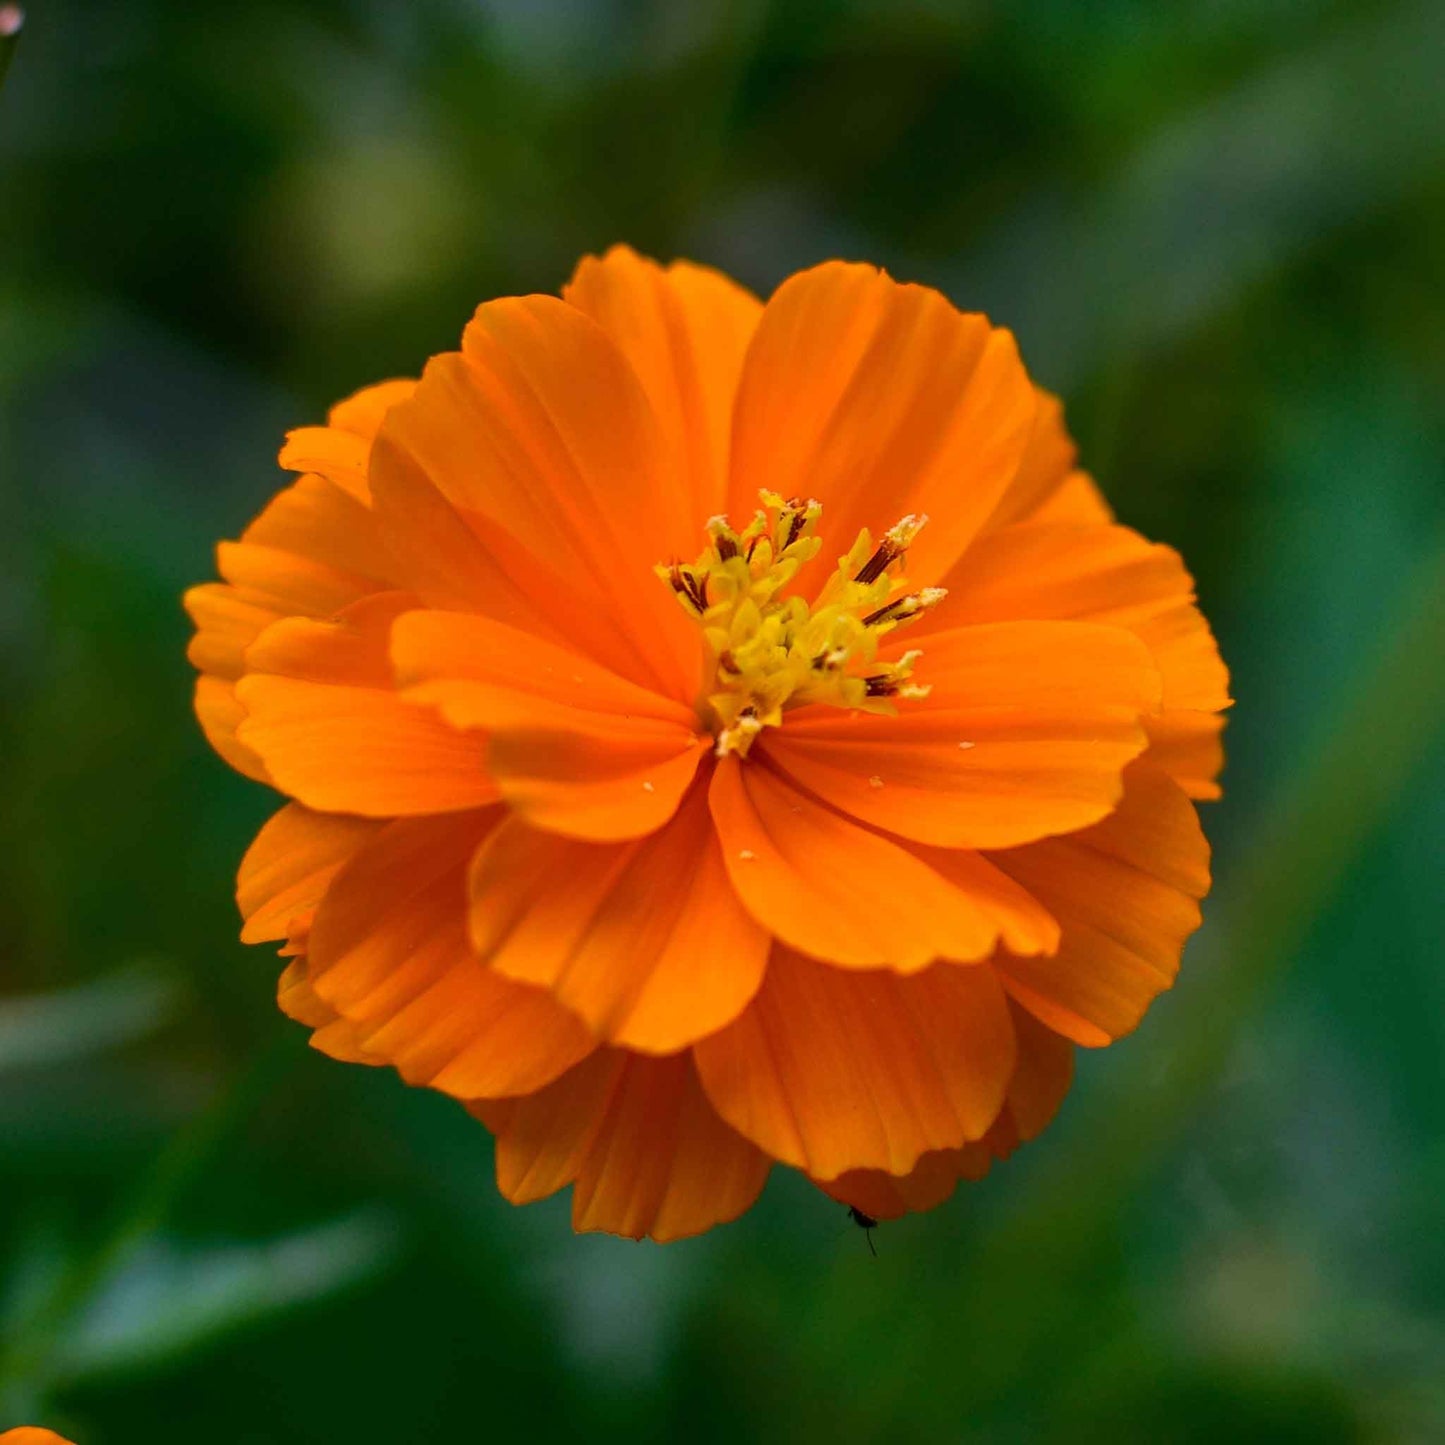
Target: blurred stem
[[12, 21], [1317, 826], [24, 1358]]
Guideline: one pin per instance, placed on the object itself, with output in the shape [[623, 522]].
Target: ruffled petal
[[930, 1182], [1126, 892], [220, 714], [1047, 485], [842, 893], [574, 748], [289, 866], [830, 1069], [325, 718], [1103, 574], [540, 429], [363, 412], [1025, 734], [340, 450], [1041, 1078], [263, 586], [298, 1000], [331, 1034], [311, 552], [227, 622], [685, 331], [1189, 746], [645, 1151], [1108, 574], [1077, 499], [645, 941], [388, 952], [880, 399], [319, 521]]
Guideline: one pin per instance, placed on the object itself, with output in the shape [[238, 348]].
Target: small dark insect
[[867, 1224]]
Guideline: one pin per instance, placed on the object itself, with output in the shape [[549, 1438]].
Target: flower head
[[717, 734]]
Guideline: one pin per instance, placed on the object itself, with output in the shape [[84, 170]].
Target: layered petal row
[[671, 871]]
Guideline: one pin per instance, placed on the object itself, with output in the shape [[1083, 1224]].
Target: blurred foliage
[[1218, 228]]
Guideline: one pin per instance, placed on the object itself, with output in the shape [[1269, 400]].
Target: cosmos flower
[[717, 735]]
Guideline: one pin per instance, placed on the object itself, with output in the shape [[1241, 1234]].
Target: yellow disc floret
[[773, 651]]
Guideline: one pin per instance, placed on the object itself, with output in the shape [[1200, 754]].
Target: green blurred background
[[1218, 229]]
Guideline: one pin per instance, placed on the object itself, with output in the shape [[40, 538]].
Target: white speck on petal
[[746, 854], [648, 788], [965, 746], [875, 781]]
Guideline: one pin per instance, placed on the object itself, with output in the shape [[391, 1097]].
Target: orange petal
[[465, 562], [299, 560], [646, 1152], [1041, 1078], [323, 716], [287, 869], [314, 519], [340, 449], [263, 584], [645, 941], [829, 1069], [541, 428], [837, 891], [228, 621], [298, 1000], [878, 400], [32, 1435], [388, 952], [360, 750], [516, 677], [339, 456], [363, 412], [1126, 892], [351, 649], [331, 1034], [1188, 746], [289, 583], [220, 714], [928, 1184], [1076, 499], [1025, 734], [1099, 574], [685, 332], [573, 747], [1047, 485]]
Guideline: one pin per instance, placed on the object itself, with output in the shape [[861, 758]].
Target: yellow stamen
[[773, 652]]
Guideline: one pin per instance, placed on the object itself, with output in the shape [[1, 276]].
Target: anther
[[724, 539], [797, 520], [895, 543], [901, 609], [687, 586]]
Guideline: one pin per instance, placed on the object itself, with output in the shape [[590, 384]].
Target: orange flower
[[31, 1435], [718, 734]]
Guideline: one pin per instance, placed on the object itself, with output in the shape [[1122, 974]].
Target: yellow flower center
[[772, 652]]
